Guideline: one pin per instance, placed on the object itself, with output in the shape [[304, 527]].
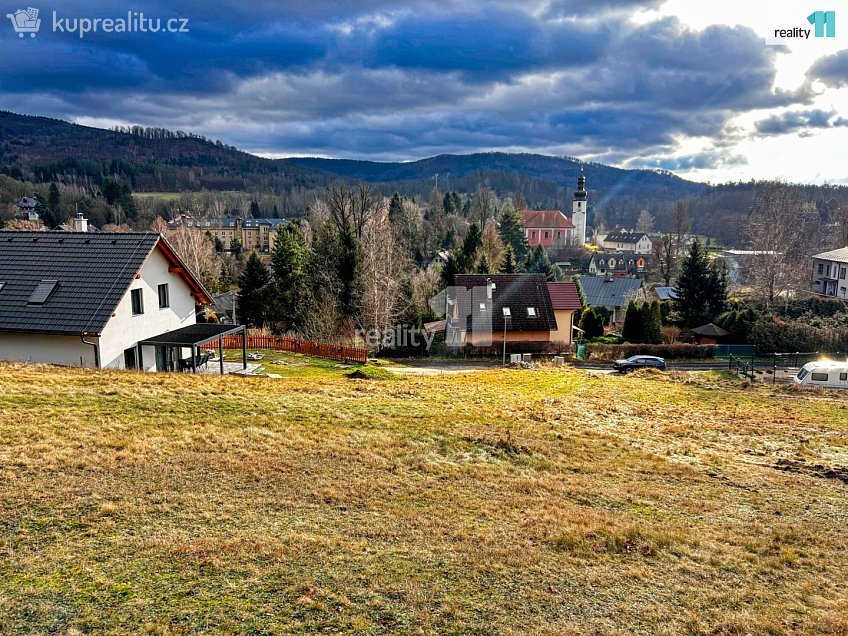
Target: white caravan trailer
[[827, 374]]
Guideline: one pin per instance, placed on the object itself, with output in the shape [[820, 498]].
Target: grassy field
[[499, 502]]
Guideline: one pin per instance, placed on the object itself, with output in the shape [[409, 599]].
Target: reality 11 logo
[[825, 23]]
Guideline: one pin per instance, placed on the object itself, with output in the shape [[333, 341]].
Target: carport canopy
[[195, 336]]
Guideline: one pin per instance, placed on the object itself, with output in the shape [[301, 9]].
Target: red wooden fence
[[316, 349]]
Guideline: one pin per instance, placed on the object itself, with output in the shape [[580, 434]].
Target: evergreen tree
[[449, 271], [652, 322], [255, 210], [450, 203], [395, 208], [290, 266], [717, 290], [236, 248], [54, 199], [127, 203], [483, 266], [508, 265], [591, 324], [700, 288], [512, 233], [44, 212], [633, 330], [468, 253], [225, 279], [219, 245], [539, 263], [466, 209], [349, 273], [253, 292]]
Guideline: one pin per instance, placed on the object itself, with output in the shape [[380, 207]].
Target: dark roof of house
[[710, 330], [92, 274], [623, 236], [607, 291], [622, 261], [518, 292], [544, 219], [564, 295]]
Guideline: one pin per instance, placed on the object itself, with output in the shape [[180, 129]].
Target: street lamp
[[507, 318]]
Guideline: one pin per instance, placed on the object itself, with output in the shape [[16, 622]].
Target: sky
[[702, 89]]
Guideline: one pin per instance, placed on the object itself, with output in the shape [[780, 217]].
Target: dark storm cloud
[[799, 121], [401, 79]]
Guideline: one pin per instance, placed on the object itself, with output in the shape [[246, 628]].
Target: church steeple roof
[[580, 194]]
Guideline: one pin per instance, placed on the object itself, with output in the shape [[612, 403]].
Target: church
[[551, 228]]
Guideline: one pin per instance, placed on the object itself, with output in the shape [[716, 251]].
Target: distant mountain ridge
[[562, 171], [44, 149]]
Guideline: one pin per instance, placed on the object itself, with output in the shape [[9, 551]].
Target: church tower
[[578, 211]]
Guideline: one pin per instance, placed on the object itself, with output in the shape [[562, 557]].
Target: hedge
[[668, 351]]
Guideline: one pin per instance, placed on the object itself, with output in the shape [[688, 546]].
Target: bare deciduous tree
[[196, 251], [645, 223], [680, 226], [664, 252], [773, 232], [385, 268], [350, 207]]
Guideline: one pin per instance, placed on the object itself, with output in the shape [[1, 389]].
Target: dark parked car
[[639, 362]]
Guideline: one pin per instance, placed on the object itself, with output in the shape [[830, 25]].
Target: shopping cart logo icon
[[25, 21]]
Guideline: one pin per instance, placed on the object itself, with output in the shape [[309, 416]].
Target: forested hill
[[154, 159], [41, 149], [454, 170]]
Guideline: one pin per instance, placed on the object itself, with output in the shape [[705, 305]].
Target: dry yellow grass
[[514, 502]]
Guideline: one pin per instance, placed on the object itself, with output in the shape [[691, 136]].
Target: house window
[[842, 272], [821, 268], [137, 304], [531, 312], [819, 377], [164, 300], [843, 377], [533, 234]]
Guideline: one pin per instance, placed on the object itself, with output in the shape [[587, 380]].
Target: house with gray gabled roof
[[830, 273], [610, 292], [99, 300]]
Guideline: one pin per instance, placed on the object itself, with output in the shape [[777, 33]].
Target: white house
[[104, 301], [830, 273], [625, 241]]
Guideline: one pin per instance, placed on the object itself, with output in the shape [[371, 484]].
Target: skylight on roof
[[2, 285], [42, 292], [506, 312], [531, 312]]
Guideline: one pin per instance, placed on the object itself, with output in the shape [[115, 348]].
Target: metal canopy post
[[244, 348], [221, 353], [194, 358]]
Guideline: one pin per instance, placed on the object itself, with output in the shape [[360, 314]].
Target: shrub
[[670, 352]]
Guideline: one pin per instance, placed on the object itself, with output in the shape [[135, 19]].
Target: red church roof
[[544, 219], [564, 295]]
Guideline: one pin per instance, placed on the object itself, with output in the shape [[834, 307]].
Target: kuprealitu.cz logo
[[27, 22]]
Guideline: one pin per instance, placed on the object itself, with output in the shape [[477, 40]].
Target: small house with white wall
[[101, 300]]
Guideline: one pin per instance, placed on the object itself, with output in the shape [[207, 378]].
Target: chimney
[[80, 223]]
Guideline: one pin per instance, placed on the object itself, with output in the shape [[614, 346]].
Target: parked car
[[633, 363]]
